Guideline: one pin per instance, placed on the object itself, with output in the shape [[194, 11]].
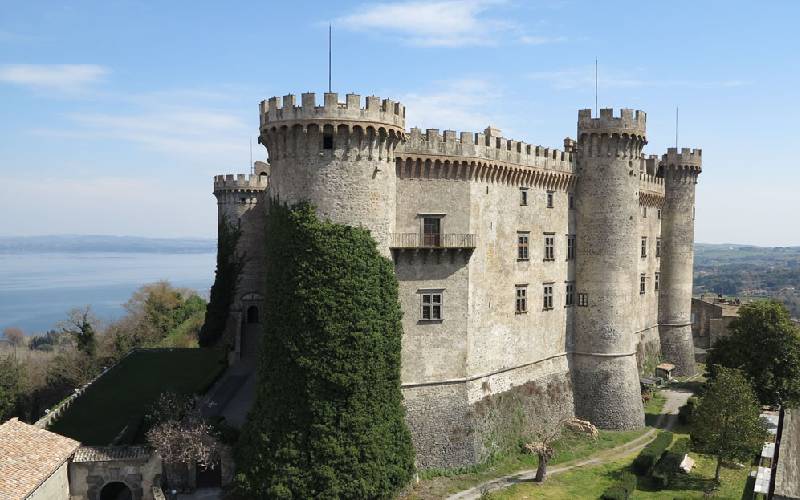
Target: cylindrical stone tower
[[605, 376], [680, 171], [339, 157], [240, 203]]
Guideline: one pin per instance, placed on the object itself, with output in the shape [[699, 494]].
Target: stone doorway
[[116, 491], [251, 333]]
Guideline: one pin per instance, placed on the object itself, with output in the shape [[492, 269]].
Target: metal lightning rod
[[330, 30], [595, 87]]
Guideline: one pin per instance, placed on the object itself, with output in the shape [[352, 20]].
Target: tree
[[726, 422], [328, 419], [765, 345], [230, 263], [81, 325], [543, 446], [11, 381], [182, 443], [15, 336]]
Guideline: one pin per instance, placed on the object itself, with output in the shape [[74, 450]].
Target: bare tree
[[543, 446], [15, 336], [183, 443], [82, 325]]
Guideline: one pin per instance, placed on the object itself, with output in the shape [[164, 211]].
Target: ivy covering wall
[[328, 419], [226, 280]]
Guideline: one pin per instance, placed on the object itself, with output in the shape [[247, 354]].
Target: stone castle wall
[[485, 374]]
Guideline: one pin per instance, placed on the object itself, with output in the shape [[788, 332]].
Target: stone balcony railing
[[411, 241]]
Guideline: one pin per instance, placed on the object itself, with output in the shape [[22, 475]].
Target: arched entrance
[[116, 491], [252, 315]]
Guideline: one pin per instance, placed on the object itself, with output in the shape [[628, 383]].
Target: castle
[[535, 282]]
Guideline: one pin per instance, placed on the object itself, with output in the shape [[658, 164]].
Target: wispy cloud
[[582, 78], [61, 77], [442, 23], [456, 104]]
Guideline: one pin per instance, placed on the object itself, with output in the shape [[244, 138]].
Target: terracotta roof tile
[[111, 453], [28, 456]]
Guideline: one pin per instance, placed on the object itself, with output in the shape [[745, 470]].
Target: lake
[[37, 289]]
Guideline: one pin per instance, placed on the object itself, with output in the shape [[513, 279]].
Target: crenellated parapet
[[240, 182], [621, 136], [277, 112], [344, 130], [485, 156], [651, 190], [684, 166]]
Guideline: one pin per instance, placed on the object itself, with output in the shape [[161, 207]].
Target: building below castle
[[535, 282]]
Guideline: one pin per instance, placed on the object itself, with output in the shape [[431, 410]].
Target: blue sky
[[114, 115]]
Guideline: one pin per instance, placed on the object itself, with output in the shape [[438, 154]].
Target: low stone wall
[[449, 432], [501, 420]]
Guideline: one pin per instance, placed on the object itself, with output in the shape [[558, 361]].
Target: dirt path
[[675, 398]]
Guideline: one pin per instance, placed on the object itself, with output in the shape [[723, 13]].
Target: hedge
[[623, 489], [648, 457]]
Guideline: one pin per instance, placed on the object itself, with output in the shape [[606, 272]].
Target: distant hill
[[749, 271], [100, 243]]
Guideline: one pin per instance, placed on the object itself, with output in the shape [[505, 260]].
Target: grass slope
[[121, 396]]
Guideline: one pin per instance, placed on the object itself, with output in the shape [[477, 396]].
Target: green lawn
[[120, 397], [590, 482]]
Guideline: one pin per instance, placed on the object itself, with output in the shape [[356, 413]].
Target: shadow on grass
[[694, 386], [749, 486]]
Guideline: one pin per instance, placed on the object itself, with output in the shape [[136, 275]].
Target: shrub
[[686, 411], [328, 419], [615, 492], [629, 481], [665, 469], [648, 457]]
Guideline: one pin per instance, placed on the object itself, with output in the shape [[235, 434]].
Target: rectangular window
[[521, 305], [658, 281], [548, 296], [570, 247], [431, 305], [659, 213], [522, 245], [432, 231], [549, 246], [569, 297], [642, 284], [644, 246], [550, 199], [583, 300], [658, 247], [644, 211], [523, 197], [571, 201]]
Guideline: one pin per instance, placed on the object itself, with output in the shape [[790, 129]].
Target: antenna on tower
[[676, 128], [595, 87], [330, 30]]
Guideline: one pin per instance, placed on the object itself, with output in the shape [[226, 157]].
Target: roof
[[111, 453], [29, 456], [762, 480], [768, 451], [666, 366]]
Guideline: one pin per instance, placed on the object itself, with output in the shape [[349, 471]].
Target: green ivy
[[328, 419], [226, 281]]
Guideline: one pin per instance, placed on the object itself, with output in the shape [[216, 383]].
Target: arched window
[[116, 491], [252, 314]]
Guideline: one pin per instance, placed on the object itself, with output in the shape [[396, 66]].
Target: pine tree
[[328, 420]]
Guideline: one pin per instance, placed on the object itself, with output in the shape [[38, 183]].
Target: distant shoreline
[[104, 244]]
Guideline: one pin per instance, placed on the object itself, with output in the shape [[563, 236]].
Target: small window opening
[[327, 140]]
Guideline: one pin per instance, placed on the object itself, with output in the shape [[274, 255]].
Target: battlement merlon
[[688, 159], [240, 182], [628, 122], [278, 111]]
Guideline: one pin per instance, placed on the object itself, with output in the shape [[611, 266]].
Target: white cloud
[[440, 23], [582, 78], [63, 77], [456, 104]]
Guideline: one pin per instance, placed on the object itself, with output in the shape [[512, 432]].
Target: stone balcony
[[442, 241]]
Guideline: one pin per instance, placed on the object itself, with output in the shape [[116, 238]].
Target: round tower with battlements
[[338, 156], [605, 376], [240, 203], [680, 172]]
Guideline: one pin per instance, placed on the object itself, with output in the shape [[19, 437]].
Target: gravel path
[[675, 398]]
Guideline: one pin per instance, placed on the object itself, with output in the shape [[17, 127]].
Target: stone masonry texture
[[605, 274]]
